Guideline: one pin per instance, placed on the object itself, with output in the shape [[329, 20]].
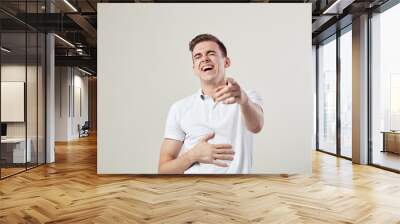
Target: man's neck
[[209, 88]]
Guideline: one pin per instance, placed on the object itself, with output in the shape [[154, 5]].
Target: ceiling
[[76, 22]]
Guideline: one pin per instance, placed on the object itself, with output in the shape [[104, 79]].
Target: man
[[211, 130]]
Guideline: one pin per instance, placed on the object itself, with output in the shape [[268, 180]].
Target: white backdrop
[[144, 66]]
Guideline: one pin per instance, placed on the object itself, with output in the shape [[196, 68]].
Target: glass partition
[[13, 109], [22, 77]]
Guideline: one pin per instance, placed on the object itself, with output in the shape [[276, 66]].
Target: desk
[[391, 141], [15, 148]]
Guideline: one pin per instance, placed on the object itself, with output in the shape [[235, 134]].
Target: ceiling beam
[[337, 6], [84, 61], [84, 24]]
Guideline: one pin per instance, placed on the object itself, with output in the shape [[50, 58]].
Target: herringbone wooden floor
[[70, 191]]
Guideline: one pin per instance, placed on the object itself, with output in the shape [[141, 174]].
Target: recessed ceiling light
[[64, 40], [5, 50], [337, 7], [70, 5], [84, 71]]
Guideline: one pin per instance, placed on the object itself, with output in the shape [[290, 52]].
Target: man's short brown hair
[[207, 37]]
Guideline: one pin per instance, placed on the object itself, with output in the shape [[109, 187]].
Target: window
[[327, 96], [385, 88], [346, 93]]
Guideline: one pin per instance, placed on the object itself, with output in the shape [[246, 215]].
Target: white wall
[[61, 103], [68, 81], [144, 65]]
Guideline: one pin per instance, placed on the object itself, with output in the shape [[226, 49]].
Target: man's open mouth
[[207, 68]]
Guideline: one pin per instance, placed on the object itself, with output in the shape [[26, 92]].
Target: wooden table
[[391, 141]]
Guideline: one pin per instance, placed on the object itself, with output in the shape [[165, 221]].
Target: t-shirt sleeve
[[255, 98], [173, 129]]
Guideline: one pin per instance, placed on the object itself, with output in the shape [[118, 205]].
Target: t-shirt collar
[[201, 94]]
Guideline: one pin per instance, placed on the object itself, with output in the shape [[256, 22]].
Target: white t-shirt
[[193, 117]]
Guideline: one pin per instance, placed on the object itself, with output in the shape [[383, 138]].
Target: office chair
[[84, 130]]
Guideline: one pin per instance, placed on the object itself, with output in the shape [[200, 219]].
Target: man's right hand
[[204, 152]]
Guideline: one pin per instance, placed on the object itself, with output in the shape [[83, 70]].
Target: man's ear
[[227, 62]]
